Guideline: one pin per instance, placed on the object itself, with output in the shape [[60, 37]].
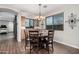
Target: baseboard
[[67, 44]]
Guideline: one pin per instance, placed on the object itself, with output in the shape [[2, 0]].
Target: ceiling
[[33, 9], [6, 16]]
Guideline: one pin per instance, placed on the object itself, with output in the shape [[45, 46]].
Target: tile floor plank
[[13, 47]]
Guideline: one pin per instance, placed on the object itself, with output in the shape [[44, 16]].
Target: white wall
[[8, 24], [7, 18], [19, 27], [69, 36], [3, 23]]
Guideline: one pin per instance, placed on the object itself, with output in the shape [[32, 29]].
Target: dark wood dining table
[[42, 39]]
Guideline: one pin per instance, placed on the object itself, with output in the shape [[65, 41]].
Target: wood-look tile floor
[[13, 47], [6, 36]]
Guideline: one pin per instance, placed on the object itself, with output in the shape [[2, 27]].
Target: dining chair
[[34, 36], [50, 38], [43, 40]]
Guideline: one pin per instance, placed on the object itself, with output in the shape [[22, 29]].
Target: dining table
[[43, 35]]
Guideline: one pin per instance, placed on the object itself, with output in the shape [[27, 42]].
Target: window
[[49, 22], [58, 21], [29, 23], [55, 22]]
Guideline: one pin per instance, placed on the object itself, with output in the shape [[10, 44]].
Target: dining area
[[39, 39], [47, 33], [38, 31], [41, 29]]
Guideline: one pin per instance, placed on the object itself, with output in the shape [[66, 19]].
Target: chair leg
[[52, 47], [25, 43], [25, 46], [30, 48], [48, 49]]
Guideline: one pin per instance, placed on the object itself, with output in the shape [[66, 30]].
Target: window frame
[[30, 23], [53, 26], [46, 22]]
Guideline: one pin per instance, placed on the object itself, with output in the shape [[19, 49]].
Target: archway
[[8, 16]]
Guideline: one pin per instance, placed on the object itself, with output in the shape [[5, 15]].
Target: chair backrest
[[50, 34], [33, 34]]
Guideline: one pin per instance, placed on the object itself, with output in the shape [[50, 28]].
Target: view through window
[[55, 22]]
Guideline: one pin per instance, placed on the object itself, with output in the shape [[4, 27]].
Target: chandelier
[[39, 17]]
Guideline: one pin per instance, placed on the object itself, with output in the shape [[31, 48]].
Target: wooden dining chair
[[34, 39], [50, 38], [43, 39]]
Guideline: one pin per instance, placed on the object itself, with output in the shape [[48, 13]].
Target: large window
[[55, 22], [49, 22], [29, 23]]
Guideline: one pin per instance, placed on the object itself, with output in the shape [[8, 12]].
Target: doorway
[[8, 25]]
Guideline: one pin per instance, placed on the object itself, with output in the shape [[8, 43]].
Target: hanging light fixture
[[39, 17]]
